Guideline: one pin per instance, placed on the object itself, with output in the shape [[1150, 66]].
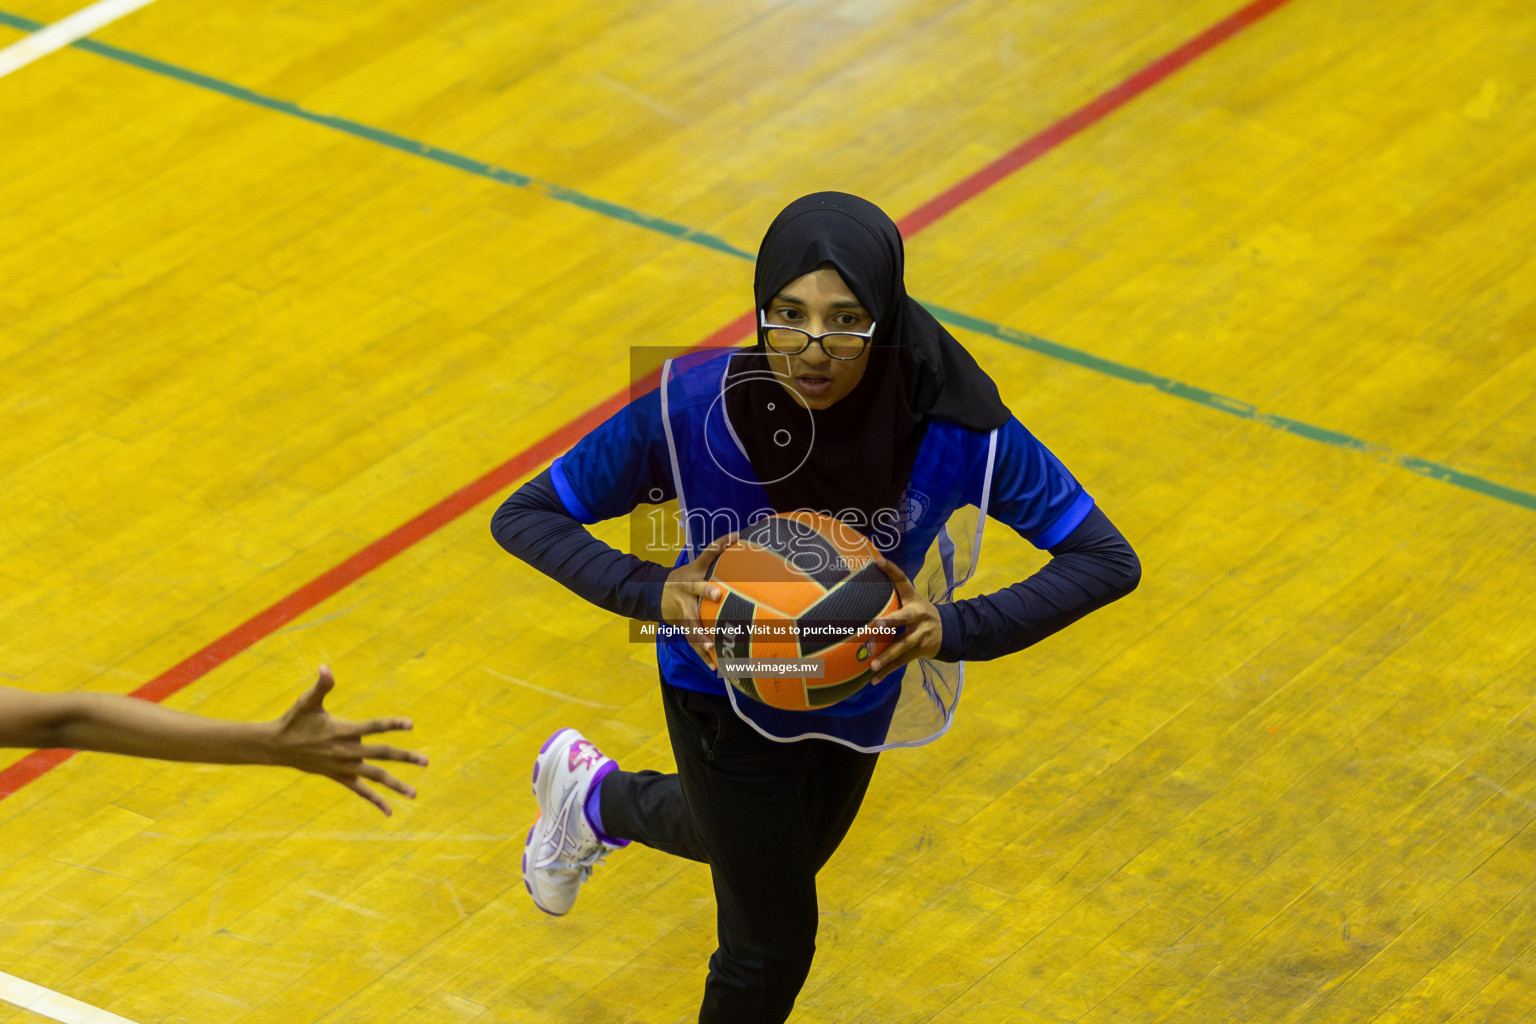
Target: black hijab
[[865, 444]]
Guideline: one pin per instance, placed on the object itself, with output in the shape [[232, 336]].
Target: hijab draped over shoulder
[[864, 445]]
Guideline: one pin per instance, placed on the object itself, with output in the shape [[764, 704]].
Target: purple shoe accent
[[526, 884], [592, 810]]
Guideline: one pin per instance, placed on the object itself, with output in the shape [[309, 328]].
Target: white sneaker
[[562, 848]]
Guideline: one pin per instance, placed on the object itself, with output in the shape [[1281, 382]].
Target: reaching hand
[[918, 619], [309, 739], [684, 588]]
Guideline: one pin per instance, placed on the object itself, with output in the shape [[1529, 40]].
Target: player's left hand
[[917, 618]]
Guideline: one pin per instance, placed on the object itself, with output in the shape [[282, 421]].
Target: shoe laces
[[591, 860]]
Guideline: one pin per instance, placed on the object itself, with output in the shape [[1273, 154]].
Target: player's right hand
[[685, 587]]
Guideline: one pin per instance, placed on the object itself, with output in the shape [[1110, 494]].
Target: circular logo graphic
[[796, 438], [911, 509]]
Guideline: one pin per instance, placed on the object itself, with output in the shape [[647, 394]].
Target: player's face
[[819, 302]]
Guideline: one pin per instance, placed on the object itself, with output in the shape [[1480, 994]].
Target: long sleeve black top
[[1091, 567]]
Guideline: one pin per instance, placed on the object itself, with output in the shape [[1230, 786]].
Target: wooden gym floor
[[279, 278]]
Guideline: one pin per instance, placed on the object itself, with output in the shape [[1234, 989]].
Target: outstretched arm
[[306, 737]]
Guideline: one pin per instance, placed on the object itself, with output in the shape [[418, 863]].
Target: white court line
[[61, 33], [343, 904], [50, 1004], [553, 693]]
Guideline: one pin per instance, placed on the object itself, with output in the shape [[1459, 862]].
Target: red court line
[[340, 576], [1085, 116], [333, 580]]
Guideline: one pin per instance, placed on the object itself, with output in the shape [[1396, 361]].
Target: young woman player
[[855, 403]]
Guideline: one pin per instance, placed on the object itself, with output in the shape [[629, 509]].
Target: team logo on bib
[[911, 509]]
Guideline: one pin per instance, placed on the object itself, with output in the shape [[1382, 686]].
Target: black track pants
[[765, 817]]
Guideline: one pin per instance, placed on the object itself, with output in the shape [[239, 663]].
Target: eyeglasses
[[791, 341]]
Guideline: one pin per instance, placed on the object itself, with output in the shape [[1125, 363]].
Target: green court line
[[398, 142], [1020, 339], [1213, 400]]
